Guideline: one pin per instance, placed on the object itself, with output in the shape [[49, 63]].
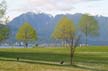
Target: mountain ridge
[[45, 24]]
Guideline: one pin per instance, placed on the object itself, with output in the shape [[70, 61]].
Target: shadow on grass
[[53, 64], [54, 57], [51, 59]]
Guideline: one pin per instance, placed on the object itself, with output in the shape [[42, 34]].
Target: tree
[[65, 31], [4, 30], [26, 33], [3, 8], [88, 26]]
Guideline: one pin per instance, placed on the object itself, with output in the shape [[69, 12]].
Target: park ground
[[93, 58]]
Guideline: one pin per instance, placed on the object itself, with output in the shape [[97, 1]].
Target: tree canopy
[[26, 33], [4, 32], [88, 26], [65, 29], [3, 7]]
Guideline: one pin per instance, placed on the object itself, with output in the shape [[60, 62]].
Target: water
[[11, 46]]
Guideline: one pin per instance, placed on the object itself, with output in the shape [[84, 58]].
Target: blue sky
[[53, 7]]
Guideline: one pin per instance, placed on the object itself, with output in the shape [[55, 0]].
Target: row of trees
[[65, 31]]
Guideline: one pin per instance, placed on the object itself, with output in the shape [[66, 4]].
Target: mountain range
[[45, 24]]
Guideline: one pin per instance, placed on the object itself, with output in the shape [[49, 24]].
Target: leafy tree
[[88, 26], [65, 31], [4, 30], [26, 33], [3, 8]]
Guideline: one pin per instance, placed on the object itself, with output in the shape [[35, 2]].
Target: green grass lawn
[[94, 58]]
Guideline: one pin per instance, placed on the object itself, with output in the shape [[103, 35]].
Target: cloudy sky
[[53, 7]]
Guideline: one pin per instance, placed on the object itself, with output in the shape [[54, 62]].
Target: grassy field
[[93, 58]]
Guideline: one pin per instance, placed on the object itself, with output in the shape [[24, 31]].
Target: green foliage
[[4, 32], [3, 7], [26, 33], [64, 30], [88, 25]]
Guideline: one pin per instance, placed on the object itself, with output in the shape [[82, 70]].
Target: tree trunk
[[71, 52], [66, 44], [72, 48], [71, 61], [62, 43], [86, 43], [26, 45], [86, 35]]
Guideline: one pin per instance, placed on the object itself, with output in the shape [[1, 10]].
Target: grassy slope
[[48, 59]]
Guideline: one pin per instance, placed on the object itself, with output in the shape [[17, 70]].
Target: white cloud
[[51, 6], [48, 6]]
